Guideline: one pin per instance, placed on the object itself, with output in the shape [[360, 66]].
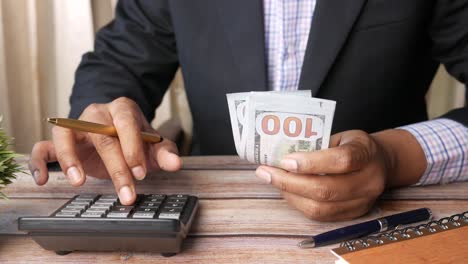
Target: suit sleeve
[[134, 56], [449, 33]]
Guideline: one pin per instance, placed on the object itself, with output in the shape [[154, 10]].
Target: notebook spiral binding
[[446, 223]]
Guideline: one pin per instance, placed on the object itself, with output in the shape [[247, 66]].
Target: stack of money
[[269, 125]]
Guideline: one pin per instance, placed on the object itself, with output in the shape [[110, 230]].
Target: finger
[[42, 153], [325, 188], [329, 211], [111, 154], [351, 153], [65, 148], [167, 156], [126, 119], [114, 161]]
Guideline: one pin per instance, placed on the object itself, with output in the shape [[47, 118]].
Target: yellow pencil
[[90, 127]]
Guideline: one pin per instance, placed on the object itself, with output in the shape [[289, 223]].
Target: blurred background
[[41, 43]]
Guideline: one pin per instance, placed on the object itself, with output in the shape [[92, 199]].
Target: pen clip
[[400, 226]]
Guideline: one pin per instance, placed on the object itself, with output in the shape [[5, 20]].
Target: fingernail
[[74, 174], [36, 175], [139, 172], [125, 194], [264, 175], [289, 164]]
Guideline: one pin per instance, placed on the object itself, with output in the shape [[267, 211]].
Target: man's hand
[[344, 181], [122, 159]]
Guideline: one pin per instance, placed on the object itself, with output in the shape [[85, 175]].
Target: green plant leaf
[[8, 166]]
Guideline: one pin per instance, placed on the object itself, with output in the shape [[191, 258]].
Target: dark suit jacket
[[376, 58]]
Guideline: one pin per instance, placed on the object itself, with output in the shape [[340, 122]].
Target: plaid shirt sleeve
[[445, 145]]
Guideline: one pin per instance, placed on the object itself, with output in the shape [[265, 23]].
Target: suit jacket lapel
[[332, 21], [244, 28]]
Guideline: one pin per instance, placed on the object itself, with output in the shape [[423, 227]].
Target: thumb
[[349, 151]]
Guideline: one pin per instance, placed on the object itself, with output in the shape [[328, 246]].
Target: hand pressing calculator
[[91, 222]]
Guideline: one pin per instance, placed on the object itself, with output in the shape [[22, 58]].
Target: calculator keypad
[[108, 206]]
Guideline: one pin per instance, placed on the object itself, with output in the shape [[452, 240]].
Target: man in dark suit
[[376, 58]]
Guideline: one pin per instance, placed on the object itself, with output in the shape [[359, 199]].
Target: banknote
[[237, 103], [269, 125]]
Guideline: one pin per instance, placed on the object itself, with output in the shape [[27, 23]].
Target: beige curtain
[[41, 42]]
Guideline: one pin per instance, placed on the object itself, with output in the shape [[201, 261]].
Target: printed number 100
[[289, 126]]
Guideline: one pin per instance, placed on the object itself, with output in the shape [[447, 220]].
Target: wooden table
[[241, 219]]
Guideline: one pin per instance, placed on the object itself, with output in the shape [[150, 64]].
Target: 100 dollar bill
[[269, 125]]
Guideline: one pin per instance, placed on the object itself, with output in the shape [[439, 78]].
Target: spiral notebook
[[442, 241]]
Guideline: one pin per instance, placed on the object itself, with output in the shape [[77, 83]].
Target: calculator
[[93, 222]]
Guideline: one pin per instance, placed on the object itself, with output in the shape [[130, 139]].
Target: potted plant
[[8, 165]]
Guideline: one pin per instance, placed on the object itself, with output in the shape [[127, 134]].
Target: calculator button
[[118, 203], [150, 208], [153, 200], [169, 216], [88, 214], [171, 210], [109, 196], [155, 208], [86, 204], [151, 196], [82, 197], [122, 209], [108, 206], [177, 200], [150, 205], [76, 207], [66, 214], [98, 209], [81, 202], [114, 201], [104, 203], [114, 214], [143, 214], [174, 205], [72, 210], [178, 196], [146, 210], [108, 200], [88, 201]]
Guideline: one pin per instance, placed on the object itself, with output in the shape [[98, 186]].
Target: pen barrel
[[151, 138], [346, 233], [89, 127], [85, 126], [372, 226], [410, 217]]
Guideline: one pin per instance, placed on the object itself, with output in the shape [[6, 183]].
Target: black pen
[[363, 229]]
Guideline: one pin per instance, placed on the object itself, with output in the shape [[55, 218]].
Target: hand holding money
[[338, 183], [269, 125]]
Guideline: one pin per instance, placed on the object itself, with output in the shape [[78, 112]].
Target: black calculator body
[[89, 222]]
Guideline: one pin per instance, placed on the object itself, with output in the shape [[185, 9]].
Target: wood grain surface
[[241, 219]]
